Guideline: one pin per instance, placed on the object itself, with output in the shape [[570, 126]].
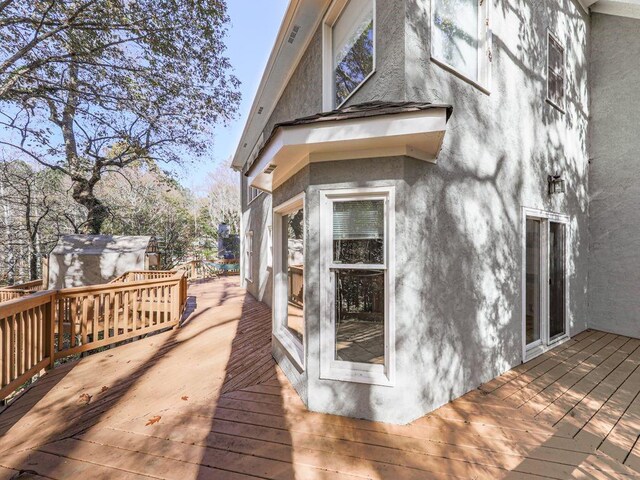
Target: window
[[461, 38], [252, 193], [357, 326], [289, 265], [555, 72], [248, 248], [349, 49]]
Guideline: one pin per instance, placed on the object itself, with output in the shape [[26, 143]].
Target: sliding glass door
[[556, 280], [544, 282], [533, 280]]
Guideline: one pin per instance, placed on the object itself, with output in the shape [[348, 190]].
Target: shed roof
[[101, 244]]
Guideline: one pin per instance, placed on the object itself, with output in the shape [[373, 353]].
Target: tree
[[144, 200], [223, 199], [93, 86], [33, 214]]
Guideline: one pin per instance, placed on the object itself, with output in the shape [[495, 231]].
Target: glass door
[[556, 280], [533, 301], [544, 282]]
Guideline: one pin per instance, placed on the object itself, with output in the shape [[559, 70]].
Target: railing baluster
[[95, 317], [35, 356], [116, 313], [19, 345], [85, 320], [62, 315], [26, 344], [145, 307], [3, 361], [126, 303], [155, 314], [12, 346], [106, 303], [73, 319]]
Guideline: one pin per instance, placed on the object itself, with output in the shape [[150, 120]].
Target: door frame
[[294, 348], [544, 344]]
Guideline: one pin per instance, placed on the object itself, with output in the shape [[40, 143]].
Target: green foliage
[[143, 200], [90, 87]]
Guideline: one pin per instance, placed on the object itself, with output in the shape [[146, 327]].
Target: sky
[[252, 33]]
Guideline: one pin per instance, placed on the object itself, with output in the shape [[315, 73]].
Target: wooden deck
[[207, 402]]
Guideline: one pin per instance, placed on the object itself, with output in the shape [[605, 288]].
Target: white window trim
[[332, 16], [551, 102], [248, 246], [293, 346], [485, 50], [544, 344], [252, 193], [330, 369]]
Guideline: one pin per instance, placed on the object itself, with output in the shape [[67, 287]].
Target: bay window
[[289, 268], [357, 326]]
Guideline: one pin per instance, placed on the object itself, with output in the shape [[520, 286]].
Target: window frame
[[252, 193], [248, 248], [545, 343], [332, 16], [331, 369], [294, 348], [485, 49], [551, 37]]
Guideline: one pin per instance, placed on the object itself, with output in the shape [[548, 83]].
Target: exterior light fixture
[[556, 184]]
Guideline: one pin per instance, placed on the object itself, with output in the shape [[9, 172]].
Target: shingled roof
[[351, 112]]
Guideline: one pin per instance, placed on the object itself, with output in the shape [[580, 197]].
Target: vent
[[294, 33], [245, 145], [270, 168], [260, 110]]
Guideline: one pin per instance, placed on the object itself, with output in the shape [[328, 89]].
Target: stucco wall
[[459, 225], [256, 217], [352, 399], [465, 293], [614, 275]]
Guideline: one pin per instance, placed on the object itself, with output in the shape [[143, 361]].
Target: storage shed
[[80, 260]]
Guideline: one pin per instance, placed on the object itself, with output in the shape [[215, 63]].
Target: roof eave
[[283, 60], [417, 134]]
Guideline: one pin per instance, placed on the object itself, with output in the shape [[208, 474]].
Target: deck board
[[223, 409]]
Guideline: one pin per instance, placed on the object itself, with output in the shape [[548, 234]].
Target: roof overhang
[[622, 8], [417, 134], [300, 22]]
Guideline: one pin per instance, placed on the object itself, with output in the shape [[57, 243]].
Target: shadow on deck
[[207, 401]]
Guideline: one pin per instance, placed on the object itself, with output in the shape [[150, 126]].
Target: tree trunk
[[83, 188], [33, 261], [97, 212]]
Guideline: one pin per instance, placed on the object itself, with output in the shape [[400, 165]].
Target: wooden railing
[[37, 330], [25, 339], [140, 275], [197, 269], [296, 284], [20, 290]]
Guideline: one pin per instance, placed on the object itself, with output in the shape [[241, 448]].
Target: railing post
[[50, 330]]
